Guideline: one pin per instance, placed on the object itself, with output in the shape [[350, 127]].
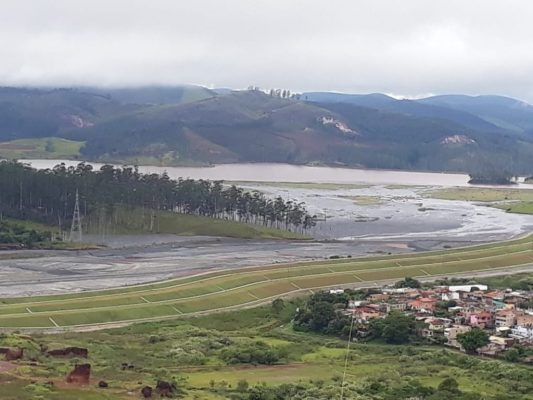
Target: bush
[[408, 282], [255, 353], [242, 385], [449, 385], [395, 328]]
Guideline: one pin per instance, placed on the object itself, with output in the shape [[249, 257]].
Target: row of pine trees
[[48, 196]]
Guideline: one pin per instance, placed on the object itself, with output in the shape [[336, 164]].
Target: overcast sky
[[403, 47]]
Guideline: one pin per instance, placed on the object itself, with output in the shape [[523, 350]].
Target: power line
[[75, 229], [346, 357]]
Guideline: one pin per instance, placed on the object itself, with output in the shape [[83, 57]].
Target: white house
[[522, 333], [467, 288]]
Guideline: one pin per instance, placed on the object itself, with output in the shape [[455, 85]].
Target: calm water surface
[[270, 172]]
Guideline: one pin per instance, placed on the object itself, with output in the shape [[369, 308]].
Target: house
[[494, 295], [366, 313], [496, 345], [435, 326], [481, 319], [452, 332], [395, 307], [501, 305], [455, 309], [505, 318], [502, 341], [525, 320], [450, 296], [423, 304], [467, 288], [514, 298], [522, 333], [378, 297], [356, 303]]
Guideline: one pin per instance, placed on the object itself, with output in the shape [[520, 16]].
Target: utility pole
[[20, 196], [75, 229]]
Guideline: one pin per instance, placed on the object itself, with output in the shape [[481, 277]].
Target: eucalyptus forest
[[48, 196]]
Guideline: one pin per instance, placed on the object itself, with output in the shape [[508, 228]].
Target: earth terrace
[[246, 287]]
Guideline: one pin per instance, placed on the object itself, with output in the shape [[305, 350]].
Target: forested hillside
[[192, 125]]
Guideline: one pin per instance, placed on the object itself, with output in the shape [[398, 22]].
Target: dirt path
[[6, 366]]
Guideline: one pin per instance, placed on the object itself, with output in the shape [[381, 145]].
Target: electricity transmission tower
[[75, 229]]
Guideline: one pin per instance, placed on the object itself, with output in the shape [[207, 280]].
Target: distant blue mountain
[[373, 100], [190, 124], [415, 108], [505, 112]]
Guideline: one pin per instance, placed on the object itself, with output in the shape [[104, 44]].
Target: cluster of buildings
[[444, 312]]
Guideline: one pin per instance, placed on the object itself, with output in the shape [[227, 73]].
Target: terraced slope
[[220, 290]]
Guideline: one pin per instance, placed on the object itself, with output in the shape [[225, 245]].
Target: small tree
[[322, 313], [473, 340], [512, 355], [449, 385], [242, 386], [408, 282], [396, 328], [278, 305]]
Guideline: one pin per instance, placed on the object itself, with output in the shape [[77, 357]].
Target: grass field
[[51, 147], [221, 290], [518, 201], [125, 220], [481, 194], [523, 207], [189, 351], [302, 185]]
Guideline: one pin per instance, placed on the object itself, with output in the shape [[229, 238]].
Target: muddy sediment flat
[[400, 218], [66, 272]]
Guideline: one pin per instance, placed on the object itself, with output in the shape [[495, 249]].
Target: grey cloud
[[408, 47]]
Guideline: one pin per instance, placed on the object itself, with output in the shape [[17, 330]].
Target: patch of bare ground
[[6, 366]]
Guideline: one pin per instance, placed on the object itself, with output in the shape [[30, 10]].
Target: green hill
[[194, 125], [125, 220], [155, 95], [53, 148]]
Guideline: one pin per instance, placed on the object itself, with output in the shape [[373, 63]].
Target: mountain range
[[195, 125]]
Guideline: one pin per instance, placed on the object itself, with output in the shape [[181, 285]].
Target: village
[[444, 312]]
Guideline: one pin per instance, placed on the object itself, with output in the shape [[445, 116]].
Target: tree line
[[49, 195]]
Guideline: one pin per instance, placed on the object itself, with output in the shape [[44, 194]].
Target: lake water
[[401, 212], [269, 172]]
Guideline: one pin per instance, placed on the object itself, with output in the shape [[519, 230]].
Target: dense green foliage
[[408, 282], [49, 196], [192, 353], [491, 175], [473, 340], [322, 313], [395, 328], [194, 125], [11, 233], [251, 353]]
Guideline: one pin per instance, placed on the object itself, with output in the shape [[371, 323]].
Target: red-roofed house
[[423, 304], [481, 319]]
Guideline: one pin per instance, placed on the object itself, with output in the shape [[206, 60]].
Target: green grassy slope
[[190, 351], [518, 201], [138, 221], [51, 147], [247, 287]]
